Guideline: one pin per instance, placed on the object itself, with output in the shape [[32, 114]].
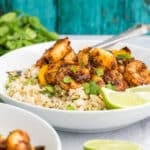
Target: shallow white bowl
[[40, 132], [75, 121]]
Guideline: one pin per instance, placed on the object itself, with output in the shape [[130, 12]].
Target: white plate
[[75, 121], [40, 132]]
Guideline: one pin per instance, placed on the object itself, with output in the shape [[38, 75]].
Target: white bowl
[[40, 132], [75, 121]]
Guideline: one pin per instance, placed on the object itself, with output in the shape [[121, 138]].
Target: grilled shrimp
[[50, 75], [116, 78], [70, 57], [71, 76], [136, 73], [56, 53], [102, 58], [83, 56], [18, 140]]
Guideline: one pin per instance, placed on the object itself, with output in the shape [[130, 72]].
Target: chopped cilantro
[[92, 88], [48, 90], [86, 87], [31, 81], [73, 69], [99, 71], [11, 77], [70, 107], [67, 79]]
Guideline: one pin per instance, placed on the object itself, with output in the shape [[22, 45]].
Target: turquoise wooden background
[[83, 16]]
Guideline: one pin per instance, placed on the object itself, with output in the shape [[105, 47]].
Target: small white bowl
[[74, 121], [40, 132]]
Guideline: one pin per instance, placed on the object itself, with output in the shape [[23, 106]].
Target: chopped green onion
[[99, 71], [70, 107], [67, 79]]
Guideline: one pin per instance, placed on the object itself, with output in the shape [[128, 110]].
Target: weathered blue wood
[[84, 16], [101, 16], [44, 9]]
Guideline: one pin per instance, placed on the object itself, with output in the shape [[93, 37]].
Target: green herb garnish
[[92, 88], [19, 29], [70, 107], [67, 79], [12, 77], [48, 90], [73, 69], [99, 71], [31, 81], [124, 56]]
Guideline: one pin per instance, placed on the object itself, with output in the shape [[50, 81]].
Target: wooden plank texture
[[84, 16], [44, 9]]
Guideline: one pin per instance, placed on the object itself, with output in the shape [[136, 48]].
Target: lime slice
[[143, 88], [110, 145], [115, 99]]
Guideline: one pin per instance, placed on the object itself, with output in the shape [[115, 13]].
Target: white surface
[[71, 120], [40, 132], [139, 132]]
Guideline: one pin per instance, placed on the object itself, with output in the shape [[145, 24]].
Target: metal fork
[[135, 31]]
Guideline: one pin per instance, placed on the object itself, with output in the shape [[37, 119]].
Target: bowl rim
[[51, 129]]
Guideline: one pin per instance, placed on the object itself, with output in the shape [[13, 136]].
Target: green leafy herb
[[124, 56], [109, 85], [11, 77], [92, 88], [31, 81], [48, 90], [70, 107], [73, 69], [86, 87], [18, 29], [99, 71], [67, 79]]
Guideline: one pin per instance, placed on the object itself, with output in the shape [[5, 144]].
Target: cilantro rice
[[25, 88]]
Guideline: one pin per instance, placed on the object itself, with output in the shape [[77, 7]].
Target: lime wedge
[[115, 99], [143, 88], [110, 145]]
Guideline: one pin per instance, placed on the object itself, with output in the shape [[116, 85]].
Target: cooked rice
[[25, 88]]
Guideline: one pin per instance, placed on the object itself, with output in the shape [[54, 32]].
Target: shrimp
[[70, 57], [50, 75], [56, 53], [2, 143], [136, 73], [76, 75], [83, 56], [116, 78], [102, 58], [18, 140]]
